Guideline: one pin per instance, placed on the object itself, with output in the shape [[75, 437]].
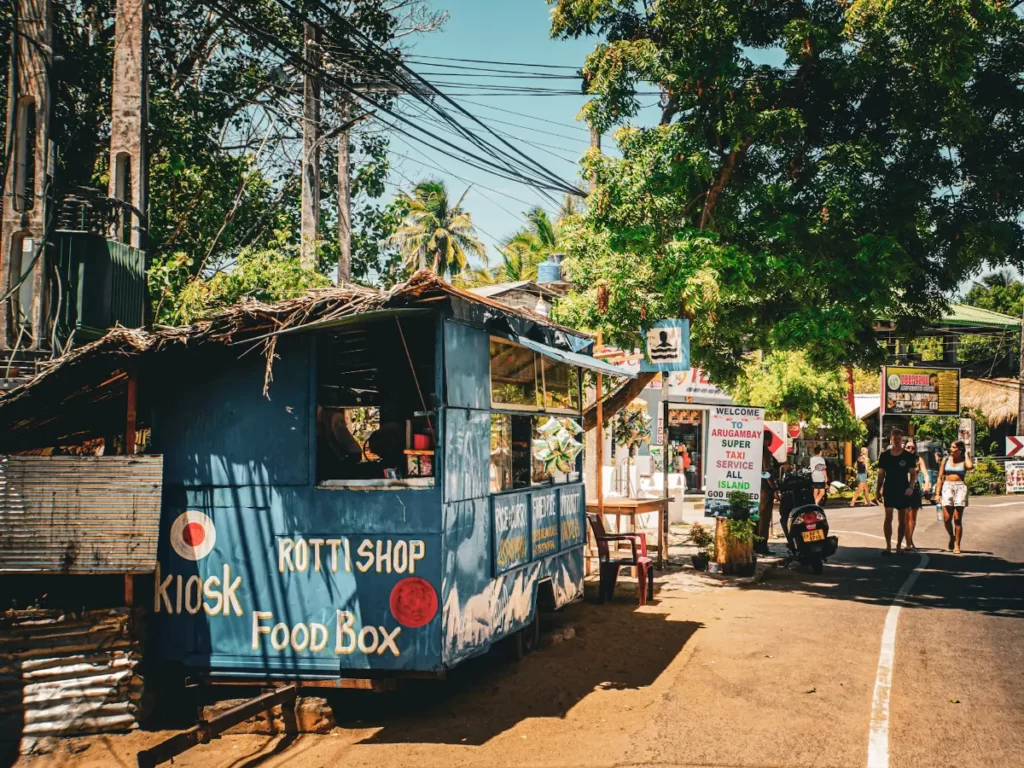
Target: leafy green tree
[[945, 430], [264, 275], [786, 206], [435, 234], [998, 291], [789, 388], [224, 144]]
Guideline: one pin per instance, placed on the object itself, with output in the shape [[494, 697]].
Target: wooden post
[[1020, 384], [344, 208], [24, 198], [600, 431], [128, 120], [129, 429], [310, 206], [129, 589]]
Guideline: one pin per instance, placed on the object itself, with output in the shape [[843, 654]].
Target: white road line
[[878, 741], [857, 533], [1005, 504]]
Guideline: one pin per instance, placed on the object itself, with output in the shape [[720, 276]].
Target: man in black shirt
[[897, 475]]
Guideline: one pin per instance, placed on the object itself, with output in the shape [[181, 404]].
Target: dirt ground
[[582, 699]]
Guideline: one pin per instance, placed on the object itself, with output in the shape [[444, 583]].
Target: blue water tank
[[549, 271]]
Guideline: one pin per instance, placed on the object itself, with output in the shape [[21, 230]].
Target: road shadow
[[617, 647], [973, 581]]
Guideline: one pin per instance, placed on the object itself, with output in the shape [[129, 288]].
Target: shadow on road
[[617, 648], [973, 581]]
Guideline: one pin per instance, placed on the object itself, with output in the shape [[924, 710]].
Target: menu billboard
[[920, 391]]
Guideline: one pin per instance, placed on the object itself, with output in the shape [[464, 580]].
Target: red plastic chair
[[609, 566]]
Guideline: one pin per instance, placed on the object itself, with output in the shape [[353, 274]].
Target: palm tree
[[435, 234], [1001, 278], [531, 245], [526, 248]]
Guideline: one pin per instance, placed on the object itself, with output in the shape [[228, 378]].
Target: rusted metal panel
[[67, 674], [79, 514]]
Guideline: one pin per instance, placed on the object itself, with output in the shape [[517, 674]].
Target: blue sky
[[515, 31]]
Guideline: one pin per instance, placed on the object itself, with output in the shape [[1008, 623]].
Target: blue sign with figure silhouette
[[667, 347]]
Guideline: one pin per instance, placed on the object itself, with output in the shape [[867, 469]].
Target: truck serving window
[[527, 391], [376, 405]]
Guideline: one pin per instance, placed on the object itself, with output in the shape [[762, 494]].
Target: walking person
[[921, 487], [897, 475], [952, 491], [862, 479], [819, 476]]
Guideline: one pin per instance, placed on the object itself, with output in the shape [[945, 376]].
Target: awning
[[569, 358]]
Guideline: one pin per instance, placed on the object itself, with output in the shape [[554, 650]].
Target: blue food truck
[[358, 483]]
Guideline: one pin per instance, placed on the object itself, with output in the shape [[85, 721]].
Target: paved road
[[779, 675], [958, 687]]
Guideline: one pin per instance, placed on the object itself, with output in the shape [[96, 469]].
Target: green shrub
[[704, 539], [985, 478]]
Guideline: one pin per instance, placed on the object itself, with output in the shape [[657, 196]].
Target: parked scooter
[[804, 522]]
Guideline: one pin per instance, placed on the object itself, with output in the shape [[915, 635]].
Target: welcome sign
[[735, 440]]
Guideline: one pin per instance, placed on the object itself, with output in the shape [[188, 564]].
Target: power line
[[415, 84], [525, 170], [502, 63]]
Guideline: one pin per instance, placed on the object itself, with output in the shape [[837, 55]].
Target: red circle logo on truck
[[193, 535], [413, 602]]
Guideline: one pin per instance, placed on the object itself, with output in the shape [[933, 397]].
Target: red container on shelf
[[421, 442]]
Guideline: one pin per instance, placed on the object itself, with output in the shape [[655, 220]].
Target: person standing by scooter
[[897, 478], [769, 493]]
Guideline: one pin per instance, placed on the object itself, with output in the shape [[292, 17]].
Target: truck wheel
[[528, 638]]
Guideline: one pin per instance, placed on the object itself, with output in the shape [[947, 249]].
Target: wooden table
[[630, 508]]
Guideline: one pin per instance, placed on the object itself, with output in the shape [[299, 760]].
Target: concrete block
[[312, 714]]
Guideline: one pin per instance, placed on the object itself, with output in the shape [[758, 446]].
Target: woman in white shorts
[[952, 491]]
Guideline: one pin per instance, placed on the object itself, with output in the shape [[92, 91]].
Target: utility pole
[[344, 205], [310, 213], [26, 178], [1020, 382], [129, 163]]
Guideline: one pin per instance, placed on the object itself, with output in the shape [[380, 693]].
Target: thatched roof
[[996, 398], [92, 379]]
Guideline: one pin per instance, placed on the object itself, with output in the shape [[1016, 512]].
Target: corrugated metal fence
[[79, 514], [66, 674]]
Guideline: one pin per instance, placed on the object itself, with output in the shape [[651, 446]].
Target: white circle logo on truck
[[193, 535]]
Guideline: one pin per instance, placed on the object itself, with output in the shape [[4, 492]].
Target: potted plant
[[739, 535], [557, 447], [632, 428], [704, 540]]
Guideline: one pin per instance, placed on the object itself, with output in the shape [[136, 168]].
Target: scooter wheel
[[817, 566]]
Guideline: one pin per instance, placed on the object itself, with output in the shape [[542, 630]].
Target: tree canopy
[[789, 388], [998, 291], [816, 165], [224, 139]]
